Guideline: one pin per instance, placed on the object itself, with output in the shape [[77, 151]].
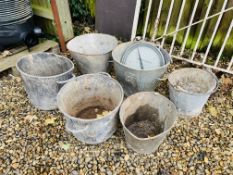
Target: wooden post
[[65, 19], [58, 25]]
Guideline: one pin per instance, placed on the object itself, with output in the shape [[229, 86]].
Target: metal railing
[[180, 55]]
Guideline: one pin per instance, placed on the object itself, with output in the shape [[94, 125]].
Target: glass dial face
[[143, 57]]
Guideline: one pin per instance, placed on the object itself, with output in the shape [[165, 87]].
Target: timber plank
[[10, 61], [42, 12]]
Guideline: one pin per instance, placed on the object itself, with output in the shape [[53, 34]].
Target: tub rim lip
[[146, 70], [158, 135], [45, 77], [192, 93], [104, 53], [95, 119]]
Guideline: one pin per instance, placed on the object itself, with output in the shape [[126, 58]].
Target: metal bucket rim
[[113, 37], [190, 92], [45, 77], [96, 119], [146, 70], [88, 54], [158, 135]]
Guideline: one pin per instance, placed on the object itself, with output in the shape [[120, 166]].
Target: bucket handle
[[216, 79], [217, 83], [161, 79], [63, 82], [137, 38], [104, 73]]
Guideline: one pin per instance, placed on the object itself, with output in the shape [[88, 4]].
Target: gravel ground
[[35, 142]]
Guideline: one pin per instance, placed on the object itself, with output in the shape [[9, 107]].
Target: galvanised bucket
[[136, 80], [86, 91], [190, 88], [166, 118], [43, 75], [92, 51]]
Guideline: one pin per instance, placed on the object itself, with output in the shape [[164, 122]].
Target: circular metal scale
[[142, 56]]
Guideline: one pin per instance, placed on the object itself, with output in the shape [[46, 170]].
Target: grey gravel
[[35, 142]]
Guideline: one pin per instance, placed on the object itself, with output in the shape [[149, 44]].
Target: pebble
[[30, 144], [109, 173], [126, 157], [74, 173], [206, 160]]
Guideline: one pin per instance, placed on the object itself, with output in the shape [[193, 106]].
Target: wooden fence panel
[[44, 17]]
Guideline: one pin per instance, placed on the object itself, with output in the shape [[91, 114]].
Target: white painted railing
[[203, 60]]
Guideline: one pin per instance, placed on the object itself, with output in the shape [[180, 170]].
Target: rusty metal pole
[[58, 25]]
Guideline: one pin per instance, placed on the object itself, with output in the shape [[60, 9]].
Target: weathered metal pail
[[190, 88], [135, 80], [86, 92], [92, 51], [42, 74], [151, 106]]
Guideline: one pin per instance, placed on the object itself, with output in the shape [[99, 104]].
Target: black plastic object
[[16, 24]]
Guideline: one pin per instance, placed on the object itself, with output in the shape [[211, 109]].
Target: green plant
[[79, 10]]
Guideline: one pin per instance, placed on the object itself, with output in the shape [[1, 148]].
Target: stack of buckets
[[50, 84]]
